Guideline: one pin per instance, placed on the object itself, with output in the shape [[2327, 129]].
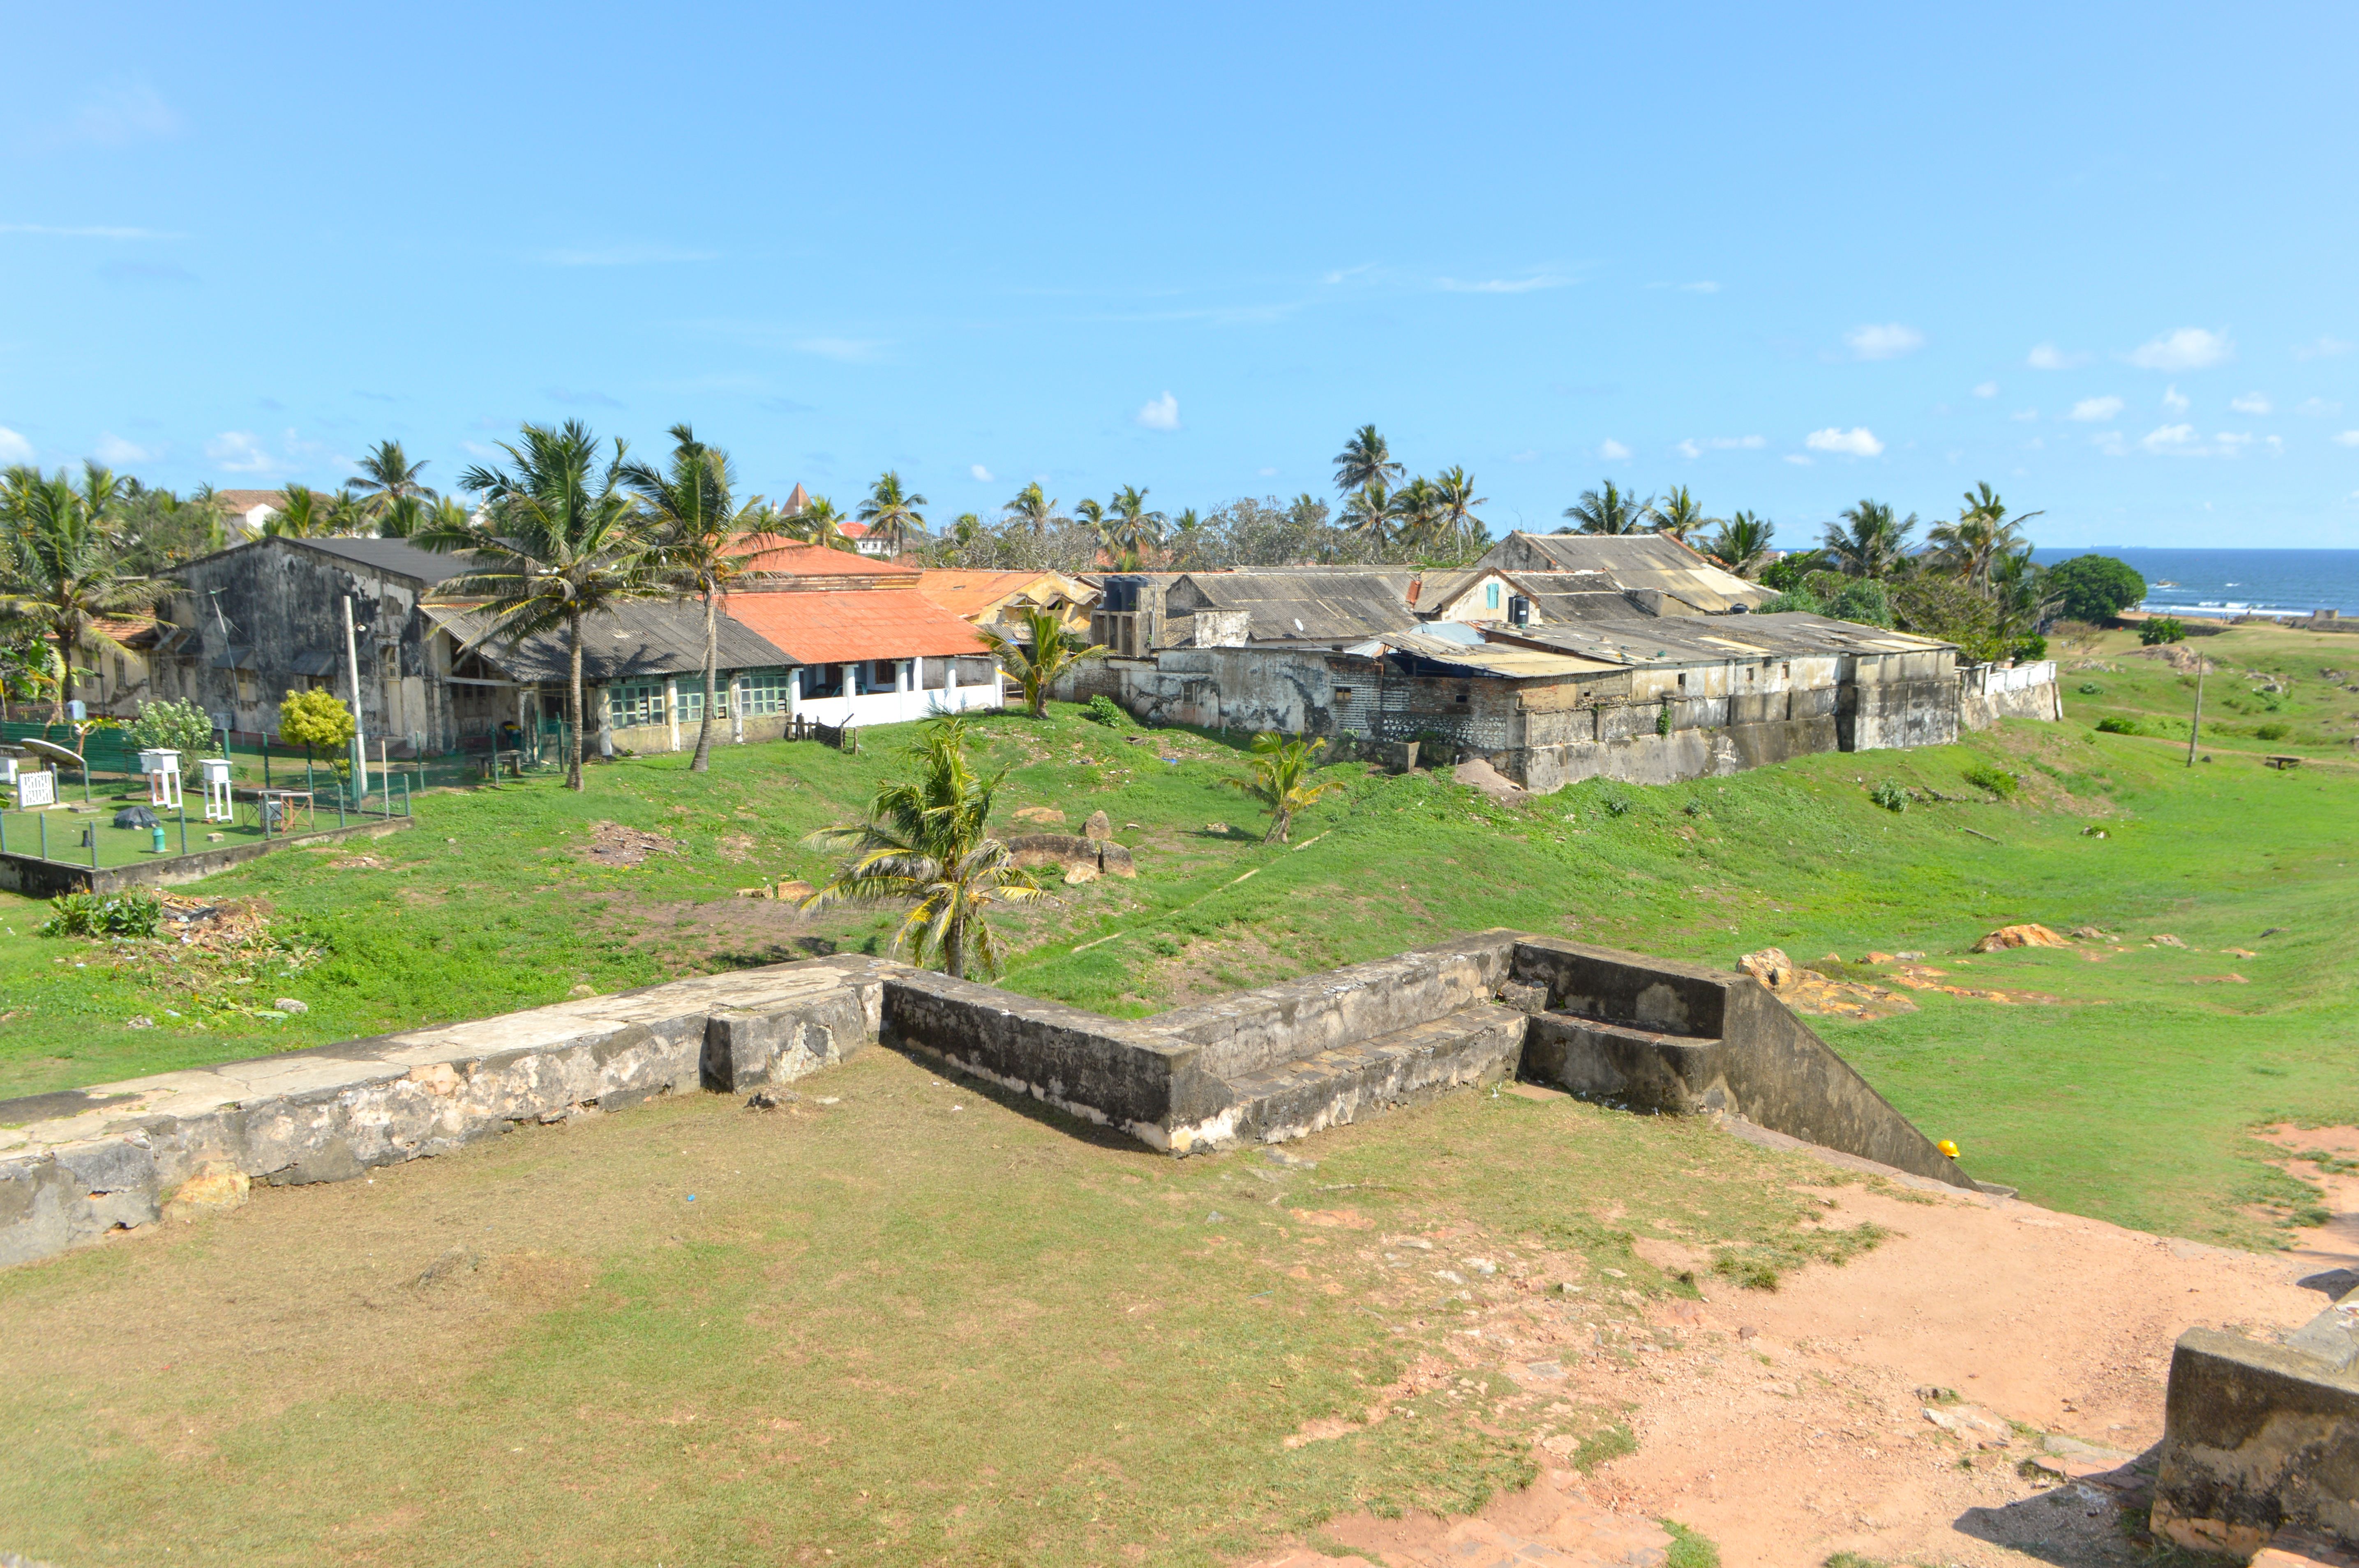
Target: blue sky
[[2099, 255]]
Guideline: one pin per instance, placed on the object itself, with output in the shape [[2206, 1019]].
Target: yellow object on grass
[[1949, 1148]]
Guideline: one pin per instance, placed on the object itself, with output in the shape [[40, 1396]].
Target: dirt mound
[[2027, 936], [612, 844], [1820, 995], [1478, 774]]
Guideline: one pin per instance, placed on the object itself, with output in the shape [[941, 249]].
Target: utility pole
[[359, 747], [2196, 726]]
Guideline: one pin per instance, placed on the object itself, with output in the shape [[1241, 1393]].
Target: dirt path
[[1790, 1426]]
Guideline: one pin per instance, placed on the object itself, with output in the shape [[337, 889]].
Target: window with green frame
[[765, 692], [691, 698], [632, 705]]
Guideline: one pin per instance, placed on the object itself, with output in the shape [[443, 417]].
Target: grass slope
[[2127, 1095]]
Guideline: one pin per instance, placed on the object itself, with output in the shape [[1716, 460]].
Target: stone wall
[[37, 878]]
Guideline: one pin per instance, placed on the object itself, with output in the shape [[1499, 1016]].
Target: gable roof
[[970, 593], [639, 640], [245, 501], [1643, 561], [1688, 639], [397, 557], [1303, 605], [839, 628]]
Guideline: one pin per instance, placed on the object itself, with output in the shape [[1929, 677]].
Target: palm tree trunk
[[65, 676], [955, 948], [573, 704], [703, 761]]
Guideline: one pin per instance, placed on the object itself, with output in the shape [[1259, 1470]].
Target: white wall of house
[[908, 698]]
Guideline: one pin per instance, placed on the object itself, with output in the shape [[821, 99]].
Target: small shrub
[[1103, 709], [1615, 805], [1866, 602], [1606, 1443], [2162, 629], [1663, 721], [87, 915], [2029, 648], [2112, 725], [2271, 732], [1890, 796], [1750, 1271], [1854, 1559], [1693, 808], [1688, 1550], [1997, 781], [2091, 688], [1791, 603]]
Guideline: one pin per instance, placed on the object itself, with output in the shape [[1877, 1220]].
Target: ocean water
[[2238, 582]]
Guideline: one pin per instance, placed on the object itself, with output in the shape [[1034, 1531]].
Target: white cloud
[[2189, 348], [2348, 439], [2095, 410], [1527, 456], [851, 350], [237, 451], [980, 472], [2168, 438], [1688, 448], [1502, 285], [112, 450], [1886, 342], [2318, 408], [1266, 473], [2174, 400], [1342, 272], [1695, 449], [1705, 286], [1858, 441], [2025, 416], [113, 117], [483, 449], [2183, 440], [1160, 412], [1613, 451], [1987, 389], [1797, 459], [14, 448], [2110, 444], [2321, 349], [2251, 403], [2048, 356]]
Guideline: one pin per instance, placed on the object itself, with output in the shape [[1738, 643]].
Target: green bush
[[1791, 602], [2271, 732], [2162, 629], [2111, 725], [1103, 709], [1889, 796], [87, 915], [1865, 601], [1997, 781], [1663, 721], [1688, 1550], [2096, 588], [175, 726], [2091, 688], [2029, 648], [1615, 805]]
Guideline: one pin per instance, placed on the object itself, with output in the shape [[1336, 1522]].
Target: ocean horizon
[[2233, 582]]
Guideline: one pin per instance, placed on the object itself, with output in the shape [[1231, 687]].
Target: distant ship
[[2166, 585]]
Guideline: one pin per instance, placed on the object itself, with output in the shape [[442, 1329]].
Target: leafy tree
[[560, 541], [1948, 609], [1040, 652], [176, 725], [1870, 542], [2022, 597], [1187, 539], [1676, 513], [302, 514], [1609, 510], [1280, 777], [2096, 588], [1091, 515], [1740, 544], [1366, 460], [319, 721], [1419, 519], [928, 839], [696, 521], [62, 572], [1369, 510], [1984, 532], [1031, 510], [819, 523], [386, 480], [2162, 629], [157, 529], [892, 516]]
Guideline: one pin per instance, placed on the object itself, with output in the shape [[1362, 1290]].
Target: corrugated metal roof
[[397, 557], [781, 557], [1502, 660], [821, 628], [1685, 640], [1654, 561], [649, 637], [1305, 604]]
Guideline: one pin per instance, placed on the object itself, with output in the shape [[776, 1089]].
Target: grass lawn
[[2121, 1086], [916, 1324]]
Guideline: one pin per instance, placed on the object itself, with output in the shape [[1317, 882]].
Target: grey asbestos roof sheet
[[648, 638], [1691, 639], [1313, 604]]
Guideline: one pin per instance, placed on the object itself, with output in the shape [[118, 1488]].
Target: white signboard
[[36, 789]]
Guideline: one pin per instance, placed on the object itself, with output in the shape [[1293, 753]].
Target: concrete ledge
[[37, 877], [2259, 1438], [1472, 1047]]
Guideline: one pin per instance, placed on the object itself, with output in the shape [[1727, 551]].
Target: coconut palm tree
[[1136, 529], [302, 514], [62, 570], [697, 519], [345, 516], [1984, 532], [1419, 517], [388, 478], [1869, 541], [1610, 511], [1743, 542], [1676, 513], [1368, 510], [561, 539], [1455, 487], [1364, 460], [819, 523], [1039, 652], [928, 839], [1187, 536], [1091, 515], [892, 514], [1032, 509], [1280, 776]]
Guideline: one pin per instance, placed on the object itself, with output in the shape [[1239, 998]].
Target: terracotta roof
[[797, 501], [791, 557], [973, 592], [835, 628], [120, 629], [243, 500]]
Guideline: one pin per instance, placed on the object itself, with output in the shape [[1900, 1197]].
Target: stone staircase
[[1464, 1049]]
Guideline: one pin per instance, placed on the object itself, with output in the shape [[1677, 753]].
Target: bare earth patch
[[612, 844]]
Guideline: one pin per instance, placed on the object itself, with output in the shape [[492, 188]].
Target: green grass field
[[2127, 1094]]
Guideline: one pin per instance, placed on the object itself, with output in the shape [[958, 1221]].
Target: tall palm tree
[[101, 491], [1869, 541], [1610, 511], [892, 514], [62, 570], [345, 517], [1741, 544], [928, 839], [1982, 533], [1032, 510], [302, 514], [697, 520], [1187, 536], [1455, 487], [561, 540], [1136, 529], [1091, 515], [1366, 460], [1042, 650], [1677, 514], [1368, 510], [388, 478], [1419, 517], [819, 523], [1280, 776]]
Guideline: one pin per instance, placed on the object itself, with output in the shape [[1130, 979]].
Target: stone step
[[1475, 1045]]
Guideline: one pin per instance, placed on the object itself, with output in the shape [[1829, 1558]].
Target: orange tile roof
[[791, 557], [972, 592], [835, 628]]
